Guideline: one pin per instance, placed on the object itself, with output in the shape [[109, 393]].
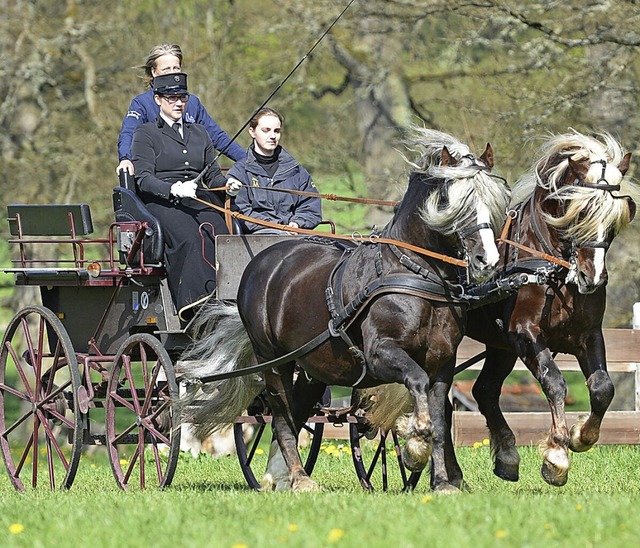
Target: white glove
[[233, 186], [184, 190]]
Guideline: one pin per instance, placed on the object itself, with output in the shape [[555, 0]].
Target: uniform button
[[186, 163], [184, 151]]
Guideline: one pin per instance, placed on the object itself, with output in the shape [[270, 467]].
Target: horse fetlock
[[579, 440]]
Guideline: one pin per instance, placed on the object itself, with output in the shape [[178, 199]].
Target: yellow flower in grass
[[124, 462], [292, 528], [477, 444], [501, 533], [239, 545], [425, 499], [335, 535], [16, 528], [485, 441], [579, 507]]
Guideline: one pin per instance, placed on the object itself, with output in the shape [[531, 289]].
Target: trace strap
[[272, 364]]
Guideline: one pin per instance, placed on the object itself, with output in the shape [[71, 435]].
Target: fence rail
[[618, 427]]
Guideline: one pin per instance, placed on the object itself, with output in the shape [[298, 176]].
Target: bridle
[[575, 247]]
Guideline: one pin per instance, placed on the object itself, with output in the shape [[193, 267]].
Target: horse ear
[[447, 158], [487, 156], [624, 165], [578, 169]]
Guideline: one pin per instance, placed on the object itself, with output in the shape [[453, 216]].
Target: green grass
[[209, 505]]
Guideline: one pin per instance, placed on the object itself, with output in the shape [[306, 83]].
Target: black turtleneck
[[269, 163]]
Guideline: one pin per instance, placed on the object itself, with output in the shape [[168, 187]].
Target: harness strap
[[548, 256], [271, 364]]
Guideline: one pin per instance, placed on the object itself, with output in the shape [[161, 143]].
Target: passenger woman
[[268, 165], [167, 59], [168, 154]]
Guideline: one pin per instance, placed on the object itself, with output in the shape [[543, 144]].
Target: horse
[[569, 208], [394, 305]]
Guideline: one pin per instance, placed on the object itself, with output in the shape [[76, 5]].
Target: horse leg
[[592, 362], [446, 474], [417, 428], [555, 454], [486, 391], [285, 430]]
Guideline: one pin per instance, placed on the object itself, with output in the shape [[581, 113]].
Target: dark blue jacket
[[276, 207], [144, 109]]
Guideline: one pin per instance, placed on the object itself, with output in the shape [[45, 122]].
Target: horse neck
[[407, 225], [535, 232]]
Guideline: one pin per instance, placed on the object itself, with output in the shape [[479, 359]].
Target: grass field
[[210, 505]]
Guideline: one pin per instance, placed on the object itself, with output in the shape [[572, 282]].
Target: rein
[[352, 238], [330, 197]]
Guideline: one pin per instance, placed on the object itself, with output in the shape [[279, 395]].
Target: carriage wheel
[[40, 424], [253, 450], [143, 435], [377, 458]]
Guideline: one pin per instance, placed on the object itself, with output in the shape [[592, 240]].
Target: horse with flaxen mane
[[569, 208], [395, 308]]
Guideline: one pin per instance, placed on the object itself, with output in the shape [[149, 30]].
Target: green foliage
[[505, 72]]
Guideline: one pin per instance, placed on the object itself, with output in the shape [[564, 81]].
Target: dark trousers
[[190, 276]]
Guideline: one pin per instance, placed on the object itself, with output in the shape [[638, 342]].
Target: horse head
[[468, 207], [583, 177]]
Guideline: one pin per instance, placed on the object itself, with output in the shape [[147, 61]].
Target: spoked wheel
[[252, 447], [377, 458], [40, 423], [143, 433]]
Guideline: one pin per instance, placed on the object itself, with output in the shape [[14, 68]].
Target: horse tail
[[384, 405], [221, 345]]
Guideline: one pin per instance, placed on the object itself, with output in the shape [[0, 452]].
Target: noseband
[[602, 179]]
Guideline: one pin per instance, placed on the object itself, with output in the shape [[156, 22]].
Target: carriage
[[107, 339]]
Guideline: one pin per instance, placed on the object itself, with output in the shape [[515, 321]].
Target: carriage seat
[[129, 208]]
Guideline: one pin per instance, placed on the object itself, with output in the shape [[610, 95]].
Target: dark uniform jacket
[[276, 207], [162, 158]]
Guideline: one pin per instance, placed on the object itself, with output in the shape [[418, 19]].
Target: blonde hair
[[154, 54]]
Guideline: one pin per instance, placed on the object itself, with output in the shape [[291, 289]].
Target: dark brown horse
[[395, 314], [570, 207]]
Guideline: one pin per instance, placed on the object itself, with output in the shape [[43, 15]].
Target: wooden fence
[[618, 427]]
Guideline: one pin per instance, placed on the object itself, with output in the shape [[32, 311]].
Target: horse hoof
[[446, 489], [415, 455], [506, 471], [553, 475], [305, 485]]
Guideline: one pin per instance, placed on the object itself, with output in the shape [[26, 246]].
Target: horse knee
[[554, 386], [601, 391]]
